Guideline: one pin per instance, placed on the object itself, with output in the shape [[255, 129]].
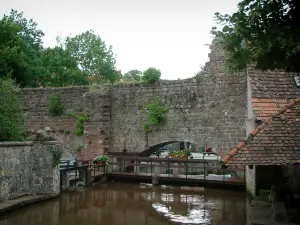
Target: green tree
[[11, 115], [20, 48], [58, 68], [263, 33], [151, 74], [92, 55], [133, 75]]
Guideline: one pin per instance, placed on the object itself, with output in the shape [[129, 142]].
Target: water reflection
[[132, 204]]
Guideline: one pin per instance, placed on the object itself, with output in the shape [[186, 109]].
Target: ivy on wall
[[80, 119], [156, 115], [55, 105]]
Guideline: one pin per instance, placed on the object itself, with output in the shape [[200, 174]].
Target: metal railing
[[174, 167]]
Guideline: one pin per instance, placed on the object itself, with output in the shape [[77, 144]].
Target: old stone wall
[[37, 116], [27, 168], [75, 100], [209, 110]]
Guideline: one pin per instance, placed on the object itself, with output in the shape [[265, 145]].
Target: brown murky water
[[135, 204]]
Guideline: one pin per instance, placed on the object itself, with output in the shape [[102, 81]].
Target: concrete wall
[[250, 125], [27, 168]]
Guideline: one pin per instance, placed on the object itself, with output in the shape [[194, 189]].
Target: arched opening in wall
[[196, 151]]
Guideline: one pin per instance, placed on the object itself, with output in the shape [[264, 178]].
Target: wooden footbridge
[[181, 171]]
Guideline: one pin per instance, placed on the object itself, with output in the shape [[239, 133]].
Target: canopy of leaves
[[20, 48], [263, 33], [92, 55], [11, 115], [133, 75], [59, 68], [151, 74], [23, 58]]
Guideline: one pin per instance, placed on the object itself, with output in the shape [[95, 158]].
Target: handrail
[[184, 167]]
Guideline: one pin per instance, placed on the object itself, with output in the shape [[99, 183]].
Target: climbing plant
[[56, 156], [55, 105], [80, 119], [156, 114]]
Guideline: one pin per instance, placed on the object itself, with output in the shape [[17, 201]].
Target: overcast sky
[[168, 34]]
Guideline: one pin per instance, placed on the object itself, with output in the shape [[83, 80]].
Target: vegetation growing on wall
[[56, 156], [80, 119], [55, 105], [151, 75], [11, 115], [156, 115]]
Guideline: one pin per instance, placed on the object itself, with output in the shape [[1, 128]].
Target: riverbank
[[19, 202]]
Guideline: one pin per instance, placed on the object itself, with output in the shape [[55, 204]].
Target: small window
[[297, 80]]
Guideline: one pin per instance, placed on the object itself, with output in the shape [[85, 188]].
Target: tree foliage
[[23, 57], [151, 74], [59, 68], [263, 33], [92, 55], [11, 115], [20, 48], [133, 75]]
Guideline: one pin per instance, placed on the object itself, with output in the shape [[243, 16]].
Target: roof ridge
[[243, 143]]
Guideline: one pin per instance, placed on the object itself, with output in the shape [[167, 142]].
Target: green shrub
[[11, 114], [55, 105], [151, 75], [80, 119], [156, 114]]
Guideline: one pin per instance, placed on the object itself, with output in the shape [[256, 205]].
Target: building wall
[[250, 125], [27, 168]]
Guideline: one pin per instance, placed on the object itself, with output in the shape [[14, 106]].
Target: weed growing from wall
[[199, 78], [156, 115], [79, 148], [11, 114], [56, 156], [55, 105], [80, 119]]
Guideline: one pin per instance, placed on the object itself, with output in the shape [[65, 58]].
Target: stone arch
[[156, 143]]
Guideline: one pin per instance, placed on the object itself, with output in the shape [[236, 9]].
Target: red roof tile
[[275, 142]]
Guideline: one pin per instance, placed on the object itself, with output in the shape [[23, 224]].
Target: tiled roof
[[273, 85], [275, 142], [263, 108], [270, 91]]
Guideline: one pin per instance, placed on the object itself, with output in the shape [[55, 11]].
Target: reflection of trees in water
[[217, 209], [130, 204]]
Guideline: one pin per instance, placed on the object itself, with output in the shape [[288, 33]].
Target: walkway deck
[[173, 171], [209, 181]]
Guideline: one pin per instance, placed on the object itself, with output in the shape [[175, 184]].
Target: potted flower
[[172, 154], [101, 160]]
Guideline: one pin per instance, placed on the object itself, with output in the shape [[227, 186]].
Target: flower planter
[[99, 163]]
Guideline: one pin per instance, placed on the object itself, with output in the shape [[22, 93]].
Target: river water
[[135, 204]]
